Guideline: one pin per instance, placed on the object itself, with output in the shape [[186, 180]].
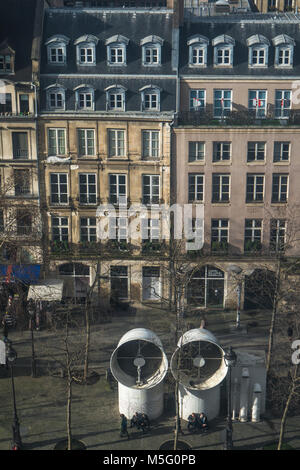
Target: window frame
[[255, 192], [196, 184], [150, 145], [86, 145], [91, 197], [223, 196], [280, 186], [57, 129], [151, 198], [60, 194]]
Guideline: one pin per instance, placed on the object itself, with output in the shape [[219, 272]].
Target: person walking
[[123, 430]]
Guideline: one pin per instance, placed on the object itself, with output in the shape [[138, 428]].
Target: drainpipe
[[245, 380], [256, 403], [235, 399]]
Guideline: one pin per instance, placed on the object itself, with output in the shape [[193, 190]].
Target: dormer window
[[150, 98], [151, 50], [116, 50], [86, 49], [115, 98], [258, 51], [223, 50], [84, 97], [7, 58], [284, 50], [198, 51], [57, 49], [55, 97]]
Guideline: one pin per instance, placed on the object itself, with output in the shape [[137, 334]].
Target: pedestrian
[[123, 430]]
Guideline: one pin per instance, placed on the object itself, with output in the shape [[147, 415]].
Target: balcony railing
[[20, 153], [236, 118]]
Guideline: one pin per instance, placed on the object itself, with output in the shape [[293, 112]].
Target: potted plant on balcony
[[219, 247], [253, 246]]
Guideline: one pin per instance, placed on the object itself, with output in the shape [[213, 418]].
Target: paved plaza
[[95, 415]]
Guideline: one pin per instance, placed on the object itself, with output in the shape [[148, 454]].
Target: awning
[[49, 290], [29, 273]]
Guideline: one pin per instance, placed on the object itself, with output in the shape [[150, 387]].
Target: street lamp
[[31, 313], [237, 270], [11, 359], [230, 360]]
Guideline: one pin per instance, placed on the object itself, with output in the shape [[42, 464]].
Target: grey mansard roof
[[240, 28], [105, 24]]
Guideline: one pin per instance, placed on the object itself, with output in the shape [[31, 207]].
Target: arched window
[[223, 50], [284, 50], [206, 287], [258, 50], [55, 95], [116, 50], [57, 49], [115, 98], [198, 51], [151, 50], [150, 98], [85, 97], [86, 49]]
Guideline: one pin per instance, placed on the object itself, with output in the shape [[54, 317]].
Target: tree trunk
[[87, 343], [177, 416], [286, 408], [69, 404], [273, 319]]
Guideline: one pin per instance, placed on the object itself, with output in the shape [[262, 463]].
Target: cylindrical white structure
[[244, 396], [235, 399], [139, 364], [256, 403], [198, 364]]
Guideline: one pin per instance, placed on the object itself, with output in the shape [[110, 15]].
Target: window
[[220, 188], [116, 143], [88, 229], [1, 221], [223, 50], [151, 50], [197, 100], [56, 142], [222, 103], [24, 103], [86, 140], [257, 102], [258, 51], [196, 188], [151, 189], [20, 145], [253, 235], [256, 151], [60, 229], [151, 229], [281, 151], [118, 228], [277, 234], [284, 50], [24, 222], [282, 103], [22, 182], [221, 151], [84, 98], [59, 188], [6, 63], [117, 189], [196, 151], [219, 234], [86, 50], [150, 144], [87, 188], [151, 283], [255, 188], [115, 98], [280, 188], [119, 282], [56, 49], [55, 95], [116, 50], [150, 98], [5, 103], [198, 51]]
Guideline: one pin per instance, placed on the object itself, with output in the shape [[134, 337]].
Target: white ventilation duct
[[199, 366], [139, 364]]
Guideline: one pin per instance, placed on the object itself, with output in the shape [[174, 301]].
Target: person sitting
[[134, 420], [144, 422], [203, 422], [192, 422]]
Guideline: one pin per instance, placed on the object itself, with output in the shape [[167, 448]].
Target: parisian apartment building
[[126, 106]]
